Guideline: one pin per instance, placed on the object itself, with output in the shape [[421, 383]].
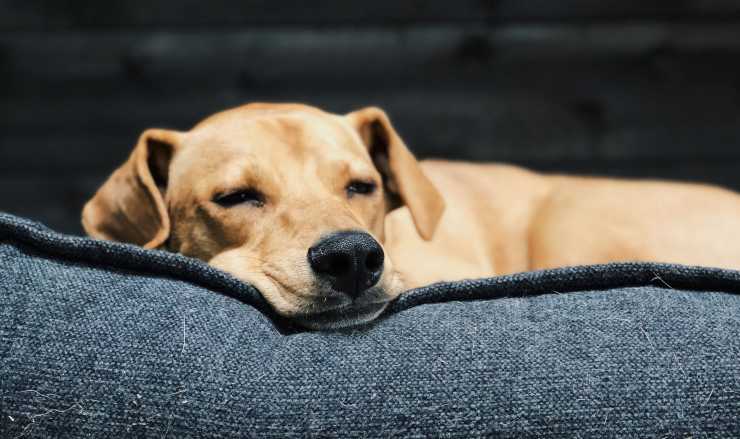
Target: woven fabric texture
[[100, 339]]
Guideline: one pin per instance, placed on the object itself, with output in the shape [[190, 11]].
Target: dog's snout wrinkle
[[352, 261]]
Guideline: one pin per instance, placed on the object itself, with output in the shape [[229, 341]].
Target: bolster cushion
[[100, 339]]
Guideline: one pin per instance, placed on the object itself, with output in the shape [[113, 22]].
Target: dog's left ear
[[130, 206], [402, 175]]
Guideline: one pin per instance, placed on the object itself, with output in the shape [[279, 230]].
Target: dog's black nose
[[351, 261]]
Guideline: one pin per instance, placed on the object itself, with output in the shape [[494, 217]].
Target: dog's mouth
[[350, 315], [326, 308]]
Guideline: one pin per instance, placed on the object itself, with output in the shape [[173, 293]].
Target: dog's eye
[[250, 196], [360, 187]]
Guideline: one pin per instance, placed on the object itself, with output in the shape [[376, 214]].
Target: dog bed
[[100, 339]]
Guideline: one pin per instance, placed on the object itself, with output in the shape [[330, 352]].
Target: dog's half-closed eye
[[248, 196], [360, 187]]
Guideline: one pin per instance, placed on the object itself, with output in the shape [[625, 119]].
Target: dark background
[[619, 87]]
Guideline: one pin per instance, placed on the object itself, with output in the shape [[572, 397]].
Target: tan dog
[[298, 201]]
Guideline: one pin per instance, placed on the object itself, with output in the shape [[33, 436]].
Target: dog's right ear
[[130, 206], [402, 175]]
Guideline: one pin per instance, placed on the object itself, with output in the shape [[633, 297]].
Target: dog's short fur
[[436, 220]]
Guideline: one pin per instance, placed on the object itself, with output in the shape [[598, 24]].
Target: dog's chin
[[346, 316]]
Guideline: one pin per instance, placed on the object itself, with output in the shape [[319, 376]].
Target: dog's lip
[[350, 315], [351, 307], [330, 301]]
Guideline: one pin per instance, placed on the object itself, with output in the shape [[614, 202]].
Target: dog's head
[[286, 197]]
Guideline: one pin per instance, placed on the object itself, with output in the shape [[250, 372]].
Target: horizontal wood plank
[[629, 122], [83, 14], [273, 58]]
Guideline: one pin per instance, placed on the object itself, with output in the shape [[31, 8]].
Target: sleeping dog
[[331, 217]]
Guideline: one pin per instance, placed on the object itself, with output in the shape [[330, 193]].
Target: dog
[[331, 217]]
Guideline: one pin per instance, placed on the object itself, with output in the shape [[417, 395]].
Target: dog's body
[[503, 219], [298, 201]]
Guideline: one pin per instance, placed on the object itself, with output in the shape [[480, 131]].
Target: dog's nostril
[[374, 260], [337, 264], [326, 261]]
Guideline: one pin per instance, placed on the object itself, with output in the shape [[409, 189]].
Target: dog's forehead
[[270, 144], [276, 133]]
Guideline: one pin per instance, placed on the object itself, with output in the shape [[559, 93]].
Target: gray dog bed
[[100, 339]]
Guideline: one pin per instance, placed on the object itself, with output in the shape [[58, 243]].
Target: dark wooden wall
[[642, 88]]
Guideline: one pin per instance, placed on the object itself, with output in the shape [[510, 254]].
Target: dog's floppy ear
[[402, 175], [130, 205]]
